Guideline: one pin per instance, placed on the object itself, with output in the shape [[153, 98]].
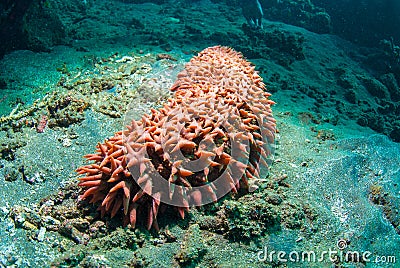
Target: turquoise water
[[72, 73]]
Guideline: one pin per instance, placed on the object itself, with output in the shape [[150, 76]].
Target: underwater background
[[71, 71]]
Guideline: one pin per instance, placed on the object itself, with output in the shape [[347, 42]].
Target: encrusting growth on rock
[[211, 138]]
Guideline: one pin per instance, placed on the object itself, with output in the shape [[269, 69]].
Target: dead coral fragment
[[211, 138]]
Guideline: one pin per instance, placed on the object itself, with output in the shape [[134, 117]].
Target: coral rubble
[[212, 138]]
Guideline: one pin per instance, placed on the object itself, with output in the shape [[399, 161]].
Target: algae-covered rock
[[192, 247]]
